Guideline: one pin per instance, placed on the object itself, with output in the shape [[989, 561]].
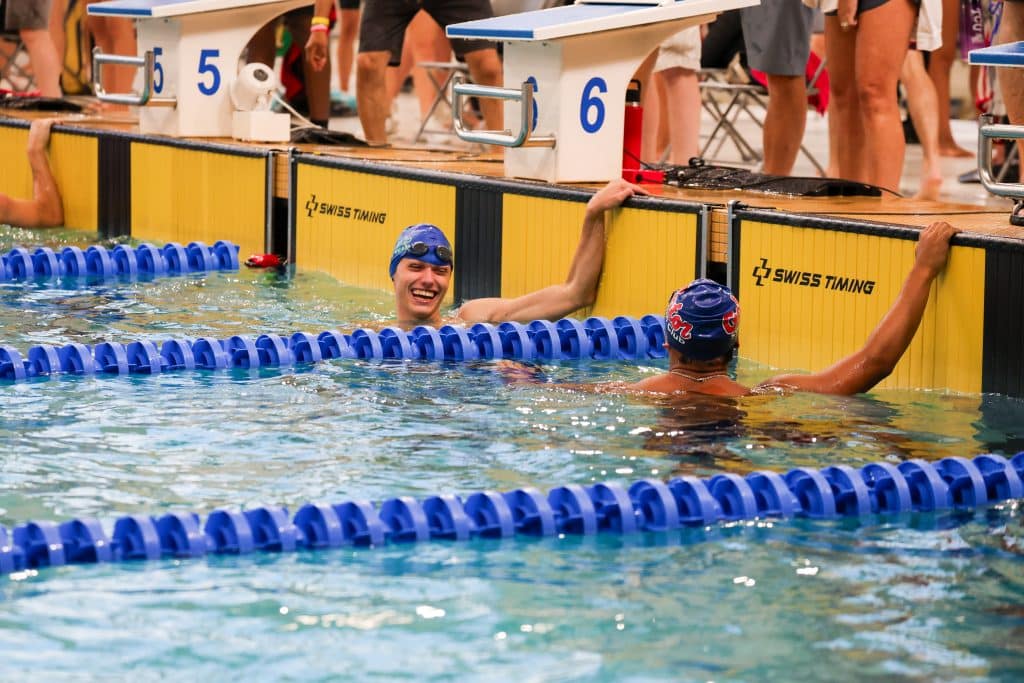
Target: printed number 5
[[207, 67], [158, 71], [591, 106]]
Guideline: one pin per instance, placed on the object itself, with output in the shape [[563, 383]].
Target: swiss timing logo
[[762, 272], [312, 205]]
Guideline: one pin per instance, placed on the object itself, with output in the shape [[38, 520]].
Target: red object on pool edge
[[264, 261]]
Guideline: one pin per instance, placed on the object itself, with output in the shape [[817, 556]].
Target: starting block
[[190, 51], [566, 73], [1009, 55]]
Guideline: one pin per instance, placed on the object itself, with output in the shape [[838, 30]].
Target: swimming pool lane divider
[[121, 261], [647, 505], [621, 338]]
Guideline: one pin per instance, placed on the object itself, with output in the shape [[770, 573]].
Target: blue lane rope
[[647, 505], [121, 261], [621, 338]]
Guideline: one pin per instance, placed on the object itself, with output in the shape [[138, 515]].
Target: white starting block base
[[196, 47], [579, 60], [261, 126]]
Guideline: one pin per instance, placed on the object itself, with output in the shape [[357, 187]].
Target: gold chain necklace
[[699, 380]]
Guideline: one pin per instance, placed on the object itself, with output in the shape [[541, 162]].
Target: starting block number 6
[[592, 106]]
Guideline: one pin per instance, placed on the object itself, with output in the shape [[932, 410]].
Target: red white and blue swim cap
[[424, 242], [702, 320]]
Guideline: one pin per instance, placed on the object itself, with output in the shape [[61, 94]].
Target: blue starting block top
[[1010, 54], [137, 9], [579, 19]]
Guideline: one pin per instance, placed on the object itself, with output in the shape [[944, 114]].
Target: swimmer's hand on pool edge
[[580, 287], [885, 346], [45, 209]]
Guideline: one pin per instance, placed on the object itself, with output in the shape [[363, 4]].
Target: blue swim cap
[[702, 320], [424, 242]]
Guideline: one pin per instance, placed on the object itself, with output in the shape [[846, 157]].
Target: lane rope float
[[121, 261], [620, 338], [837, 491]]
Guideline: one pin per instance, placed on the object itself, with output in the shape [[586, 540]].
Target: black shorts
[[383, 25], [349, 4], [862, 7]]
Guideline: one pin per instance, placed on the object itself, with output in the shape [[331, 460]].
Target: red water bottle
[[632, 140], [632, 132]]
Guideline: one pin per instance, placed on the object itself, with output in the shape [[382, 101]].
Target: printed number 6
[[207, 67], [592, 103], [158, 71], [533, 81]]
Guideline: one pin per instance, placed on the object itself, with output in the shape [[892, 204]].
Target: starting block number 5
[[209, 78]]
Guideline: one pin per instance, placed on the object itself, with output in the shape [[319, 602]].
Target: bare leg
[[844, 107], [882, 37], [349, 19], [115, 36], [57, 10], [940, 65], [784, 123], [683, 95], [485, 68], [43, 56], [429, 44], [396, 75], [1011, 81], [317, 81], [832, 171], [921, 100], [372, 98]]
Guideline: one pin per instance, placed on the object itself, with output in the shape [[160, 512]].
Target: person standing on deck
[[381, 35], [46, 208], [422, 261]]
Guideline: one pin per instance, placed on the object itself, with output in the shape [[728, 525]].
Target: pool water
[[927, 596]]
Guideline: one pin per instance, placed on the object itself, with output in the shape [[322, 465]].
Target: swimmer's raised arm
[[893, 334], [45, 209], [580, 287]]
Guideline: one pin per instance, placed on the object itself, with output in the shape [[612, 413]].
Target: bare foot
[[930, 188], [951, 149]]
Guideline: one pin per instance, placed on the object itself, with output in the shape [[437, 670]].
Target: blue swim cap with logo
[[424, 242], [702, 320]]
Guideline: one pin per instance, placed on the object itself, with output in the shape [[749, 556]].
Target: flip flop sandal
[[1017, 215]]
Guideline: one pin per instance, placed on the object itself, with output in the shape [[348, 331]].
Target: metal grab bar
[[524, 96], [987, 132], [147, 62]]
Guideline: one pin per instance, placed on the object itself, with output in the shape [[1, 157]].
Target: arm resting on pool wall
[[46, 208], [580, 286], [890, 339]]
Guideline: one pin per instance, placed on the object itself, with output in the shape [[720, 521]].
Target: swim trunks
[[777, 34], [681, 50], [27, 14], [384, 22]]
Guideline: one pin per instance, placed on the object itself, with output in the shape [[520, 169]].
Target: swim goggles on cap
[[420, 249]]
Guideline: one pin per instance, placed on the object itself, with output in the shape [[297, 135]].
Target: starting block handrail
[[987, 132], [146, 63], [524, 138]]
